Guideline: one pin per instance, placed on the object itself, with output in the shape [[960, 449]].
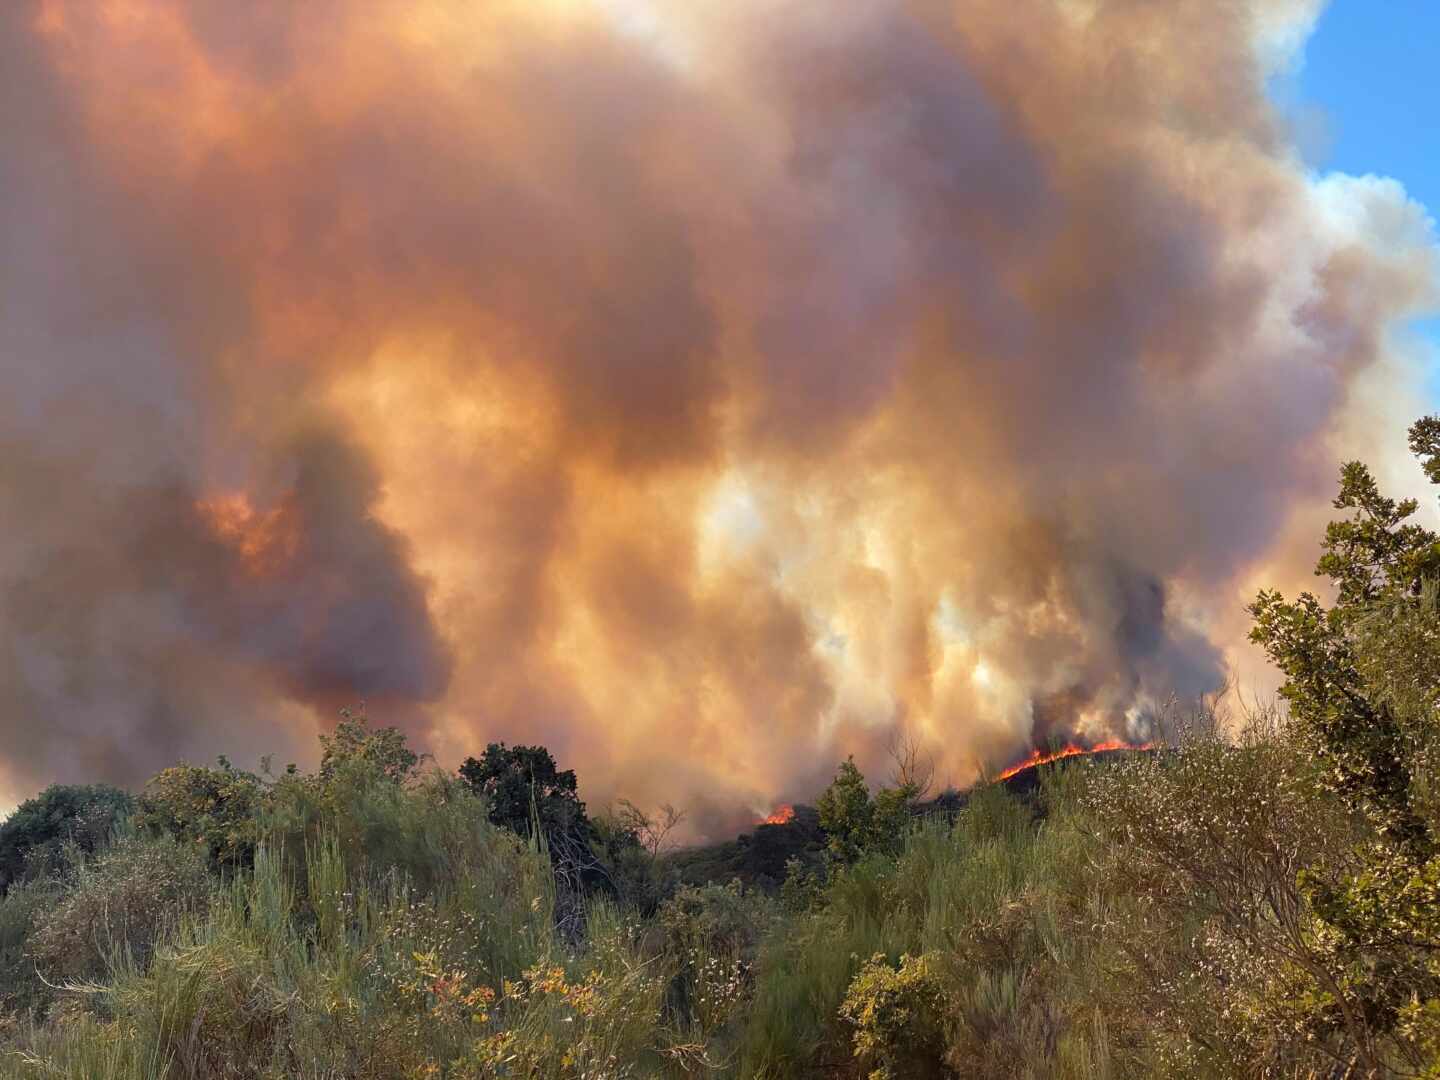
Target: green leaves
[[1425, 445], [356, 745], [217, 808], [33, 836], [845, 812], [1363, 683], [855, 823], [524, 785], [1378, 561], [898, 1016]]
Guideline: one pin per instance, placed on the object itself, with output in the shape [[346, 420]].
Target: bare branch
[[914, 768], [653, 832]]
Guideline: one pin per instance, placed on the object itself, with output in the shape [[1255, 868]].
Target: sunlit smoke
[[706, 391]]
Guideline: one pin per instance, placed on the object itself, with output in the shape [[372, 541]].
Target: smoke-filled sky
[[706, 390]]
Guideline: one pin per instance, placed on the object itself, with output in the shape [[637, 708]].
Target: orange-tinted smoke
[[707, 391]]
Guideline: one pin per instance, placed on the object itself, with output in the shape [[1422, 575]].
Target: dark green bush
[[33, 836]]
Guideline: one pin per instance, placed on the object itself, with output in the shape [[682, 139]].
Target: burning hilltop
[[782, 815], [1044, 757]]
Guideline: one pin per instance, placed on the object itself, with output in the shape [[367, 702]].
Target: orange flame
[[1044, 757], [264, 540], [783, 814]]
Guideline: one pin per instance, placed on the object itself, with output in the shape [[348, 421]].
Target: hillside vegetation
[[1260, 900]]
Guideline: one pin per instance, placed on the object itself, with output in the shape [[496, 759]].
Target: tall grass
[[389, 930], [412, 939], [991, 898]]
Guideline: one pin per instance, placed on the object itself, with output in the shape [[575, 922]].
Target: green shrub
[[333, 976], [1222, 945], [599, 1015], [629, 871], [121, 902], [354, 747], [432, 833], [898, 1017], [215, 809], [727, 917], [804, 885], [991, 903], [21, 989], [712, 936], [33, 837]]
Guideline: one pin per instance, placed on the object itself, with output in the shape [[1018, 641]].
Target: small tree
[[846, 814], [218, 808], [854, 822], [524, 785], [913, 769], [355, 744], [651, 831], [525, 789]]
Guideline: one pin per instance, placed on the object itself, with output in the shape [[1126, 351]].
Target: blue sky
[[1368, 98], [1373, 68]]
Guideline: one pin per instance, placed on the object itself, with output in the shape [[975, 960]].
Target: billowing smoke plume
[[706, 390]]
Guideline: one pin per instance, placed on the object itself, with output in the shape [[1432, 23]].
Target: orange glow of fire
[[264, 540], [1044, 757], [783, 814]]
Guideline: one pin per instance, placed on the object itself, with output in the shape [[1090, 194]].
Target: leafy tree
[[1375, 558], [354, 744], [523, 785], [1378, 560], [218, 808], [845, 812], [854, 822], [530, 795], [1361, 688], [32, 837]]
